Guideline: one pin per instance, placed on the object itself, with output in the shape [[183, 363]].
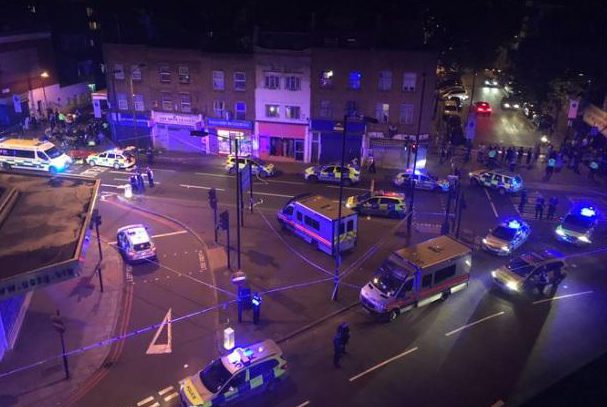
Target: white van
[[32, 155]]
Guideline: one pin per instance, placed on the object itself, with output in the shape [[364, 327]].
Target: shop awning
[[282, 130]]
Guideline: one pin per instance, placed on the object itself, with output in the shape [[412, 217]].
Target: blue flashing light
[[514, 224], [588, 212], [248, 352]]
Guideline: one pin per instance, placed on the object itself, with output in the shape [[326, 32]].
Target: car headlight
[[493, 274], [484, 241], [505, 248], [584, 239], [560, 231], [516, 106], [512, 285], [506, 104]]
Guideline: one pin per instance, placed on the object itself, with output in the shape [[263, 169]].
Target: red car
[[483, 108]]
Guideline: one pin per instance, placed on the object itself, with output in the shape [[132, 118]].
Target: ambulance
[[315, 218], [30, 154], [418, 275]]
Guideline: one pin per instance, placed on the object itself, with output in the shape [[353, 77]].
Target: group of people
[[136, 180], [494, 154], [540, 204]]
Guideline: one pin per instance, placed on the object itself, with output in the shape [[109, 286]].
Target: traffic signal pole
[[419, 129], [238, 203], [334, 295]]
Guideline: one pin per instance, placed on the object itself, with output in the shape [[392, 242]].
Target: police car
[[422, 180], [578, 225], [134, 243], [232, 377], [530, 271], [506, 237], [332, 173], [378, 203], [258, 167], [503, 181], [111, 158]]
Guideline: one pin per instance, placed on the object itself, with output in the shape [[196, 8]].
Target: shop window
[[135, 72], [325, 110], [382, 112], [409, 80], [185, 100], [292, 112], [218, 80], [94, 25], [287, 147], [272, 82], [272, 111], [385, 80], [118, 71], [292, 83], [165, 73], [184, 74], [354, 79], [219, 107], [166, 101], [123, 104], [406, 113], [326, 78], [138, 101], [240, 108], [240, 81]]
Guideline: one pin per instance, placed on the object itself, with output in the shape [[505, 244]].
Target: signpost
[[60, 328]]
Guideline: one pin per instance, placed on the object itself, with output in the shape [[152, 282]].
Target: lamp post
[[44, 75], [133, 67]]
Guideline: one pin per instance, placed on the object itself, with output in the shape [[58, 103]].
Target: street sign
[[573, 106], [58, 323], [160, 348], [245, 177]]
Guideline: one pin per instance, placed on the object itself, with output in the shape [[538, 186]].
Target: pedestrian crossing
[[565, 203], [87, 171], [169, 396]]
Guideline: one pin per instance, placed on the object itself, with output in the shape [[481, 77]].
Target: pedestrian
[[594, 166], [492, 156], [443, 154], [523, 201], [133, 182], [149, 154], [550, 168], [539, 207], [338, 350], [343, 330], [140, 183], [521, 152], [372, 165], [512, 164], [536, 153], [529, 156], [552, 207], [480, 153], [150, 175]]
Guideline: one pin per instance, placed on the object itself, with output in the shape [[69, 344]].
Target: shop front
[[171, 131], [283, 141], [327, 139], [224, 133], [129, 131]]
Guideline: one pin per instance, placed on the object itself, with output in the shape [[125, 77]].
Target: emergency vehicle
[[422, 180], [258, 167], [242, 372], [332, 173], [315, 218], [416, 276], [32, 155], [112, 158], [578, 226], [378, 203], [134, 243], [503, 181], [506, 237]]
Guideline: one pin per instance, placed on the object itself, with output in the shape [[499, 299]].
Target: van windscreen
[[53, 152], [390, 277]]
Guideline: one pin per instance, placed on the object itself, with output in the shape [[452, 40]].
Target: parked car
[[503, 181], [507, 236], [422, 179], [456, 91]]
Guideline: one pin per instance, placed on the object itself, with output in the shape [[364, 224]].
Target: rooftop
[[433, 251], [325, 207]]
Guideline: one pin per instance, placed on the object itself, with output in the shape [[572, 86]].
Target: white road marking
[[392, 359], [200, 187], [491, 202], [304, 404], [561, 297], [214, 175], [145, 401], [474, 323], [353, 188], [156, 404], [179, 232], [498, 403], [155, 348], [113, 186], [273, 181], [128, 180], [270, 194], [171, 396]]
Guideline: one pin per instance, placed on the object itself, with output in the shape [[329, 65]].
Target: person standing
[[343, 330], [338, 350], [550, 168], [521, 152], [372, 165], [140, 182], [150, 175], [529, 156], [149, 153], [552, 203], [539, 207], [594, 166], [523, 201], [536, 153], [133, 182]]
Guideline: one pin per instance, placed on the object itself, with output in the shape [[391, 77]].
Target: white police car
[[332, 173], [503, 181], [135, 243], [578, 225], [506, 237], [112, 158], [422, 180], [258, 167]]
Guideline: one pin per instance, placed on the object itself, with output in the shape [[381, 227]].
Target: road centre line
[[128, 180], [353, 188], [474, 323], [200, 187], [214, 175], [179, 232], [145, 401], [491, 202], [304, 404], [113, 186], [171, 396], [498, 403], [270, 194], [165, 390], [385, 362], [561, 297], [223, 190]]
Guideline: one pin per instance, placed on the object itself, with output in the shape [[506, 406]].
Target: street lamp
[[133, 67], [44, 75]]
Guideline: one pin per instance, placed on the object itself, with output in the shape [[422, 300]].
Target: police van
[[416, 276], [315, 218], [32, 155]]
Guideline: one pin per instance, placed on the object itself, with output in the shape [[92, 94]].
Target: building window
[[292, 83], [325, 109], [292, 112], [165, 74], [219, 107], [385, 80], [272, 111], [138, 102], [185, 99], [166, 100], [354, 80], [89, 11], [118, 71], [406, 114], [240, 81], [240, 108], [218, 80], [272, 82], [326, 79], [184, 74], [409, 79], [383, 112], [123, 104], [351, 107], [94, 25], [135, 73]]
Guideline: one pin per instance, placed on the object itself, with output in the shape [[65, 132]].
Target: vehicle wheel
[[52, 170], [393, 214], [393, 315], [6, 166], [271, 386], [313, 179], [347, 182], [263, 174], [445, 295], [232, 171], [116, 166], [92, 163], [502, 191], [473, 181]]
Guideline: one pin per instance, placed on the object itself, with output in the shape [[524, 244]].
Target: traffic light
[[224, 220], [256, 302], [213, 198]]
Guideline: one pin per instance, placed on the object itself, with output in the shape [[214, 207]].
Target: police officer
[[338, 349], [133, 182], [150, 175], [140, 182], [539, 207], [343, 330], [150, 155], [552, 207], [371, 165], [523, 202]]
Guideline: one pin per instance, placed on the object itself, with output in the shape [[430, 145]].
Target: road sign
[[245, 177], [573, 106], [58, 323], [155, 348]]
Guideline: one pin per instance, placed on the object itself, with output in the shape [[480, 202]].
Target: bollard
[[128, 191]]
